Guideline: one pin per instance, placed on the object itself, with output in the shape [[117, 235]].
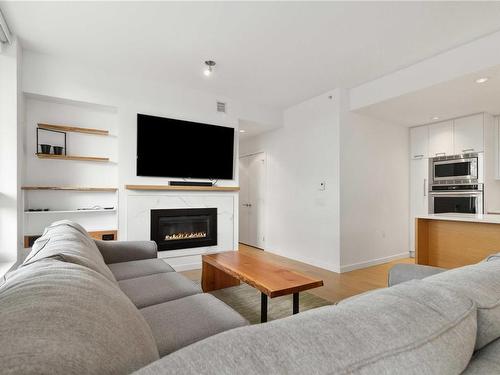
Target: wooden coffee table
[[226, 269]]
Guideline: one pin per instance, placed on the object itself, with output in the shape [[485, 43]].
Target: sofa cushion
[[481, 283], [154, 289], [485, 361], [69, 242], [63, 318], [181, 322], [138, 268], [412, 328]]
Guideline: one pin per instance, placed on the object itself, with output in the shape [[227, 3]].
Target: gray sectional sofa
[[78, 306]]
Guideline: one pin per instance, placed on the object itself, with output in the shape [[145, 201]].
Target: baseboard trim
[[373, 262]]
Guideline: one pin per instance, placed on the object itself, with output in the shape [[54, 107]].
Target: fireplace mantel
[[183, 188]]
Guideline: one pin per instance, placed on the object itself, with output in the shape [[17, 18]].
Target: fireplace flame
[[185, 236]]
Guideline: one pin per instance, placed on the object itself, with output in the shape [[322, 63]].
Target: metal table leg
[[295, 303], [263, 308]]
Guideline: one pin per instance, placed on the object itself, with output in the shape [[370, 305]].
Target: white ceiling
[[274, 53], [455, 98]]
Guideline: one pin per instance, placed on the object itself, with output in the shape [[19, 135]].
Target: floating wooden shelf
[[68, 157], [98, 235], [67, 211], [74, 129], [183, 188], [70, 188]]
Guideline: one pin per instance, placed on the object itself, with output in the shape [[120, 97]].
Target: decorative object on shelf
[[95, 208], [58, 150], [45, 149]]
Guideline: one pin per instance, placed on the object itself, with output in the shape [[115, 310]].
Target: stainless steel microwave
[[456, 169]]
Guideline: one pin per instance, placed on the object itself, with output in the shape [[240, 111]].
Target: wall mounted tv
[[174, 148]]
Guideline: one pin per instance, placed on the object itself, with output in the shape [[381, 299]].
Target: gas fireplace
[[184, 228]]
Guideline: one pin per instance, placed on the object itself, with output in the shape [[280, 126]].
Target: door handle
[[425, 187], [418, 156], [440, 153], [468, 150]]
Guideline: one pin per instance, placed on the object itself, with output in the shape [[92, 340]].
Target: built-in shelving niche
[[64, 188]]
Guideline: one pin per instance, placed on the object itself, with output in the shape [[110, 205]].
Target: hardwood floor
[[336, 286]]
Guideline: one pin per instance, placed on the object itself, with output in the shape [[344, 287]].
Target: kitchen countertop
[[485, 218]]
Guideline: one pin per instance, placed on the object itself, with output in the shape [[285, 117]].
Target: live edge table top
[[272, 279]]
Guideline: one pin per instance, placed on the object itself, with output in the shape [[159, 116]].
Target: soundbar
[[189, 183]]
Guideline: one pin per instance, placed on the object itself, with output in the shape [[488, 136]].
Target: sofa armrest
[[406, 272], [126, 251]]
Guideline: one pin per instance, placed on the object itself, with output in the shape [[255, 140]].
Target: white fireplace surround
[[139, 208]]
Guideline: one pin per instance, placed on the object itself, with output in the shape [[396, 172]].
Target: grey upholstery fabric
[[154, 289], [485, 361], [126, 251], [68, 241], [412, 328], [181, 322], [481, 283], [138, 268], [406, 272], [63, 318]]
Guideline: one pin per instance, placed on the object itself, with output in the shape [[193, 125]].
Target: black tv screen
[[174, 148]]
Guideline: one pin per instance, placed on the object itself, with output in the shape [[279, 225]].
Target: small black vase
[[58, 150], [45, 148]]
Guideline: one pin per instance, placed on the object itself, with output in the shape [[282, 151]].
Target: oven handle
[[454, 161], [455, 192]]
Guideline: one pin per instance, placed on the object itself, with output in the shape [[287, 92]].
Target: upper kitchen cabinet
[[441, 139], [419, 140], [469, 134]]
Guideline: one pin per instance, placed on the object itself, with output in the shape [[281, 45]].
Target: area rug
[[246, 300]]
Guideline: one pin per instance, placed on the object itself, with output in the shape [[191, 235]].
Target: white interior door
[[252, 199]]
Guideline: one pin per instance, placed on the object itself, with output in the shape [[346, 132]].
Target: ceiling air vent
[[221, 107]]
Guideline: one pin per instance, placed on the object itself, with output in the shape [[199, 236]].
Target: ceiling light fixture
[[435, 118], [482, 80], [243, 131], [210, 67]]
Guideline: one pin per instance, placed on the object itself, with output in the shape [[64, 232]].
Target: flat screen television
[[168, 147]]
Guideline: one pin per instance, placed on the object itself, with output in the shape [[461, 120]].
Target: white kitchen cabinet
[[468, 134], [441, 139], [419, 142], [419, 194]]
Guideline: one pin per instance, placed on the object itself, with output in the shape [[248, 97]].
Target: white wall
[[302, 222], [491, 184], [374, 190], [10, 153], [361, 218]]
